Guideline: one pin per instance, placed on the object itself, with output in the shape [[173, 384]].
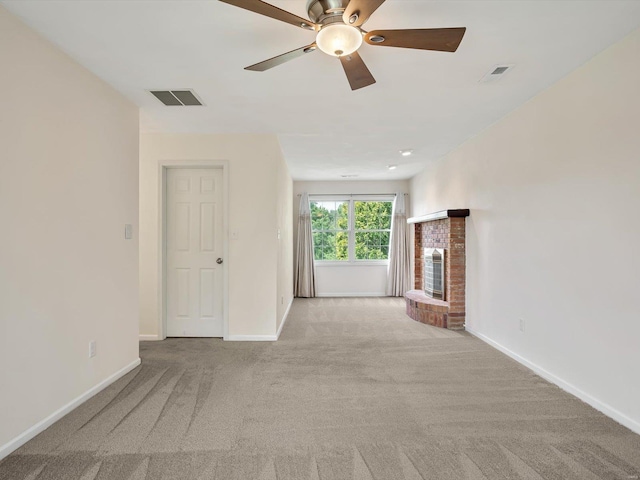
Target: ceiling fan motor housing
[[322, 10]]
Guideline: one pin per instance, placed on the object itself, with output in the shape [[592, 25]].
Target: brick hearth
[[445, 230]]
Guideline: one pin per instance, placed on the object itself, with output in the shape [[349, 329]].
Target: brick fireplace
[[440, 230]]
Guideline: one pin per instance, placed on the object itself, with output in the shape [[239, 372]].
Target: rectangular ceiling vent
[[176, 98], [496, 73]]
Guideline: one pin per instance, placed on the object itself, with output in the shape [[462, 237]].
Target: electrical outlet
[[92, 348], [522, 325]]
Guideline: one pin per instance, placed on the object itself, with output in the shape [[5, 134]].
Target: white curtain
[[304, 281], [398, 273]]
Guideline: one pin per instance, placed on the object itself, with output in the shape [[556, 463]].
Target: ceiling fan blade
[[357, 72], [280, 59], [268, 10], [439, 39], [362, 9]]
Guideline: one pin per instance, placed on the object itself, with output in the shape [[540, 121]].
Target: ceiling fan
[[339, 33]]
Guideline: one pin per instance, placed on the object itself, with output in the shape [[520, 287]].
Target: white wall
[[252, 265], [285, 242], [554, 230], [347, 280], [68, 185]]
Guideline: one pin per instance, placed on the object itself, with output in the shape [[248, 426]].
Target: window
[[372, 229], [330, 226], [347, 230]]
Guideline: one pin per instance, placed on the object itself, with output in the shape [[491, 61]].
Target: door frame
[[163, 166]]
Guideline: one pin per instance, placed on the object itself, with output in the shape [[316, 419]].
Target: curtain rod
[[349, 194]]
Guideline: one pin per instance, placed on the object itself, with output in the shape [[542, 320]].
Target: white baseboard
[[41, 426], [362, 294], [148, 338], [284, 319], [251, 338], [609, 411]]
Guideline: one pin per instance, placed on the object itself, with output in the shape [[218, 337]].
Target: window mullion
[[351, 224]]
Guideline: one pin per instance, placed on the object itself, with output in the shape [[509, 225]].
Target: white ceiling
[[430, 102]]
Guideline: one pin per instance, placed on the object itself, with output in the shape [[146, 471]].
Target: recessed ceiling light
[[392, 167], [406, 153]]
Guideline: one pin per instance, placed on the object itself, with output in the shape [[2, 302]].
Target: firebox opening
[[434, 273]]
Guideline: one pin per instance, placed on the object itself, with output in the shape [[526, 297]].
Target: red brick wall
[[435, 234], [456, 272], [418, 264]]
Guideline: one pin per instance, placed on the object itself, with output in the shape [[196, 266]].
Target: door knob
[[219, 261]]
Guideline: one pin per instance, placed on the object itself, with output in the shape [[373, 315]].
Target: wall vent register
[[176, 98], [496, 73]]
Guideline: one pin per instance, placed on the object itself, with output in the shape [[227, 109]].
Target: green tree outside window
[[330, 225], [372, 230]]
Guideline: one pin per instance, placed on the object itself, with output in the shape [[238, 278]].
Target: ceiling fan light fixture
[[339, 39]]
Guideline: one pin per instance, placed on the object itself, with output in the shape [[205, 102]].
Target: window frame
[[351, 230]]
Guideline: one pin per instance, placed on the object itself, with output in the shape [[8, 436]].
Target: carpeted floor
[[354, 389]]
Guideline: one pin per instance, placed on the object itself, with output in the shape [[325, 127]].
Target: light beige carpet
[[354, 389]]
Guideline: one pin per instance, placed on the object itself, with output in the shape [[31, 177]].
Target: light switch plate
[[128, 231]]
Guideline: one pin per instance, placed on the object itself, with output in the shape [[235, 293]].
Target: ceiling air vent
[[179, 98], [496, 73]]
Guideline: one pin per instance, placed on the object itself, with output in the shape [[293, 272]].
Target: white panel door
[[194, 248]]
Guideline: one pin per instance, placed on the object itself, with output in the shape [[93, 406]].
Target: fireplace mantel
[[430, 217]]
